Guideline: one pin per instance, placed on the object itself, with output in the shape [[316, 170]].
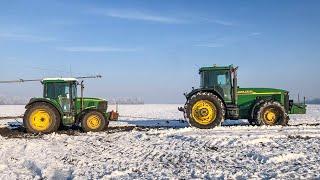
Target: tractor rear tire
[[271, 113], [41, 118], [93, 121], [204, 110]]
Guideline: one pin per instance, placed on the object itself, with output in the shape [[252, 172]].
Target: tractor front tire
[[93, 121], [41, 118], [271, 113], [204, 110]]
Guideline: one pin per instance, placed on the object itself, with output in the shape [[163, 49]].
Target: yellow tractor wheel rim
[[94, 122], [204, 112], [40, 120], [270, 116]]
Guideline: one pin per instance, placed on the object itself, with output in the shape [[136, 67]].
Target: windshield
[[210, 79], [220, 80], [54, 90]]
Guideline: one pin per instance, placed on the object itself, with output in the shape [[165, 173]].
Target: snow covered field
[[173, 150]]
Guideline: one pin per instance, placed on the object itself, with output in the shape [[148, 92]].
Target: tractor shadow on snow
[[176, 124], [15, 130], [154, 123]]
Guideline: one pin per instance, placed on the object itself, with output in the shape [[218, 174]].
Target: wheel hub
[[270, 116], [94, 122], [204, 112], [40, 120]]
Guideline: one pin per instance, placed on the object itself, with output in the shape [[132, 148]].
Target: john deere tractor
[[220, 98], [60, 106]]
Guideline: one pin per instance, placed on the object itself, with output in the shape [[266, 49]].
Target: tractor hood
[[260, 91], [95, 103], [92, 99], [244, 91]]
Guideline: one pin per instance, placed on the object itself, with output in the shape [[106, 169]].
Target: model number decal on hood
[[246, 92]]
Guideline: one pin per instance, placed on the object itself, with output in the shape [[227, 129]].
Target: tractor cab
[[222, 79], [63, 90]]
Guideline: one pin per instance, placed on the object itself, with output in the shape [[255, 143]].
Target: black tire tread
[[258, 113]]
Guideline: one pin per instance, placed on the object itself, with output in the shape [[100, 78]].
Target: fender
[[55, 104], [90, 108], [86, 110], [210, 90]]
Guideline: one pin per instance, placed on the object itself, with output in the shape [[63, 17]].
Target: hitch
[[181, 109], [113, 116]]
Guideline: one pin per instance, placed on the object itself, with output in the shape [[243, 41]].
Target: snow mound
[[286, 157]]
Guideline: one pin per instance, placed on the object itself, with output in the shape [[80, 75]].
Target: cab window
[[54, 90], [222, 79], [74, 90]]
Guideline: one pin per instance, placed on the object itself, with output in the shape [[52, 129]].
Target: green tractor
[[60, 106], [220, 98]]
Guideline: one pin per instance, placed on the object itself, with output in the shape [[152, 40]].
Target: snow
[[168, 149], [59, 79], [11, 110]]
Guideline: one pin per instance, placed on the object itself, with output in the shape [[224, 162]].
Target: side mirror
[[82, 85]]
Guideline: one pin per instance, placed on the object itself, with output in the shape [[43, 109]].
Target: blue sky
[[153, 49]]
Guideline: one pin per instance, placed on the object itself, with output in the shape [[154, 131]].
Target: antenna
[[70, 68]]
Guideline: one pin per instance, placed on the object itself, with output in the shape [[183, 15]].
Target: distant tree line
[[13, 100], [126, 100], [21, 101], [314, 101], [140, 101]]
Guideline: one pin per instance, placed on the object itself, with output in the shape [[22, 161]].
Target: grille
[[103, 105]]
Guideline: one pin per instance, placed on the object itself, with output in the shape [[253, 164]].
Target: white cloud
[[137, 15], [143, 16], [25, 37], [218, 21], [255, 34], [210, 45], [97, 49], [221, 22]]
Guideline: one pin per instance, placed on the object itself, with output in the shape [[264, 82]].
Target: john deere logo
[[246, 92]]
